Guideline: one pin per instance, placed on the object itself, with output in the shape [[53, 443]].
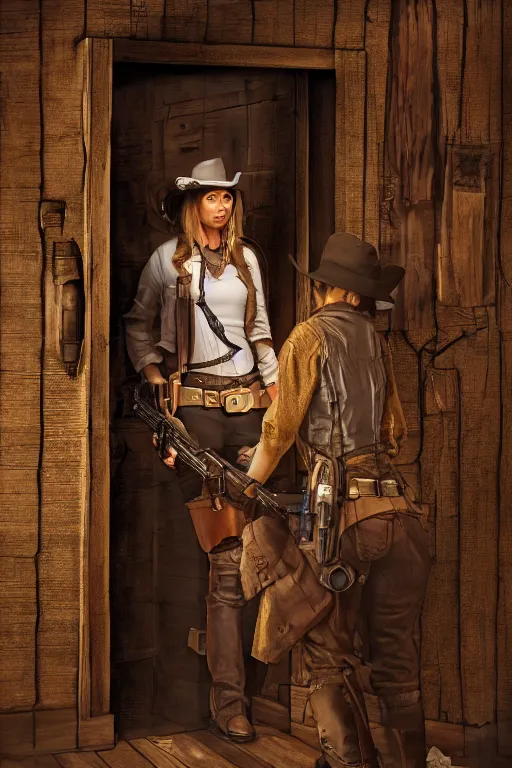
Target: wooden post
[[303, 292], [504, 626], [350, 140], [98, 112]]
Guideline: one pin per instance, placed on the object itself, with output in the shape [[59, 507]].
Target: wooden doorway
[[164, 121], [280, 191]]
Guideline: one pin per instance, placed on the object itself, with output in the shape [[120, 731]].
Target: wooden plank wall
[[421, 174], [504, 665], [20, 353], [441, 220]]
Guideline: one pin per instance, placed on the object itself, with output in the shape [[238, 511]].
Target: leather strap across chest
[[215, 325]]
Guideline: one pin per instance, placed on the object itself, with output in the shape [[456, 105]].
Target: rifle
[[222, 479]]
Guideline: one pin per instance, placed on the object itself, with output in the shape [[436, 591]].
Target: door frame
[[99, 57]]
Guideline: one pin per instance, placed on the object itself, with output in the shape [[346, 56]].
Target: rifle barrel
[[196, 458]]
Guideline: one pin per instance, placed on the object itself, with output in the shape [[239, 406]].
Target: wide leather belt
[[235, 400], [218, 383], [366, 486]]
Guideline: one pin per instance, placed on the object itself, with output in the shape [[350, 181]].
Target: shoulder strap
[[262, 263], [184, 319], [216, 328]]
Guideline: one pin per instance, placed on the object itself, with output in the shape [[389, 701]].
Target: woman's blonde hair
[[230, 242]]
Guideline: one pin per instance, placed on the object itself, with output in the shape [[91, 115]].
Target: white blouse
[[226, 296]]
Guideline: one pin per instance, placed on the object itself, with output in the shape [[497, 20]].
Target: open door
[[165, 120], [142, 548]]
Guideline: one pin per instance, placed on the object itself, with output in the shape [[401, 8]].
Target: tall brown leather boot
[[224, 650], [344, 736], [404, 732], [403, 749]]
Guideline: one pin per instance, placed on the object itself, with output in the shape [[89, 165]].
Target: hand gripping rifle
[[222, 479]]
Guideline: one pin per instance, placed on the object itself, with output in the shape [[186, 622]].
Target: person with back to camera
[[215, 353], [338, 399]]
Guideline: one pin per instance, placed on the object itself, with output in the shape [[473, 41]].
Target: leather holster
[[293, 600], [212, 525]]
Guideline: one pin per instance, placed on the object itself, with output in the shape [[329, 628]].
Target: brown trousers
[[392, 550]]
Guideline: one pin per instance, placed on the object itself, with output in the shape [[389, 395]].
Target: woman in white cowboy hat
[[214, 337]]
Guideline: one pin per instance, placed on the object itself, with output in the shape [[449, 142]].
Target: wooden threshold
[[199, 54], [197, 749]]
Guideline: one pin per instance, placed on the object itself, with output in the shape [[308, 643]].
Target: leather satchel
[[212, 525]]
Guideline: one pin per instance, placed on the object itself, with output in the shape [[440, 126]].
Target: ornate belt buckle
[[238, 400], [211, 398], [389, 488], [363, 486], [324, 493], [190, 396]]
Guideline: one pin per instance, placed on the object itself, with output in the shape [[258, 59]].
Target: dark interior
[[165, 120]]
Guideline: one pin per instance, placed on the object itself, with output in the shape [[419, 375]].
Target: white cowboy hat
[[209, 173]]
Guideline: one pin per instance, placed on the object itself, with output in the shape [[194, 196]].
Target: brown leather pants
[[392, 554], [224, 652]]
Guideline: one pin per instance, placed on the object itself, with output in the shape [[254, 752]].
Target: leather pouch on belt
[[211, 525], [293, 599], [373, 538]]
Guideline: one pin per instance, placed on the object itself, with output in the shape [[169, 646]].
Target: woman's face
[[215, 208]]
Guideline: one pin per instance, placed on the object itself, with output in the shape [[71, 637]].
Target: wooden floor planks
[[198, 749]]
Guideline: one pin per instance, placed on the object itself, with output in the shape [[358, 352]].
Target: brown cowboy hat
[[350, 263]]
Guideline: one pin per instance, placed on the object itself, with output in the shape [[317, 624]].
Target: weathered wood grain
[[378, 14], [405, 351], [124, 756], [442, 686], [186, 20], [481, 89], [228, 751], [63, 486], [18, 612], [410, 156], [98, 201], [273, 22], [20, 137], [450, 51], [159, 757], [55, 729], [313, 23], [504, 623], [277, 749], [223, 55], [17, 733], [20, 361], [269, 712], [303, 289], [96, 732], [469, 227], [350, 24], [80, 760], [109, 18], [183, 749], [230, 21], [350, 141], [147, 20], [477, 360]]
